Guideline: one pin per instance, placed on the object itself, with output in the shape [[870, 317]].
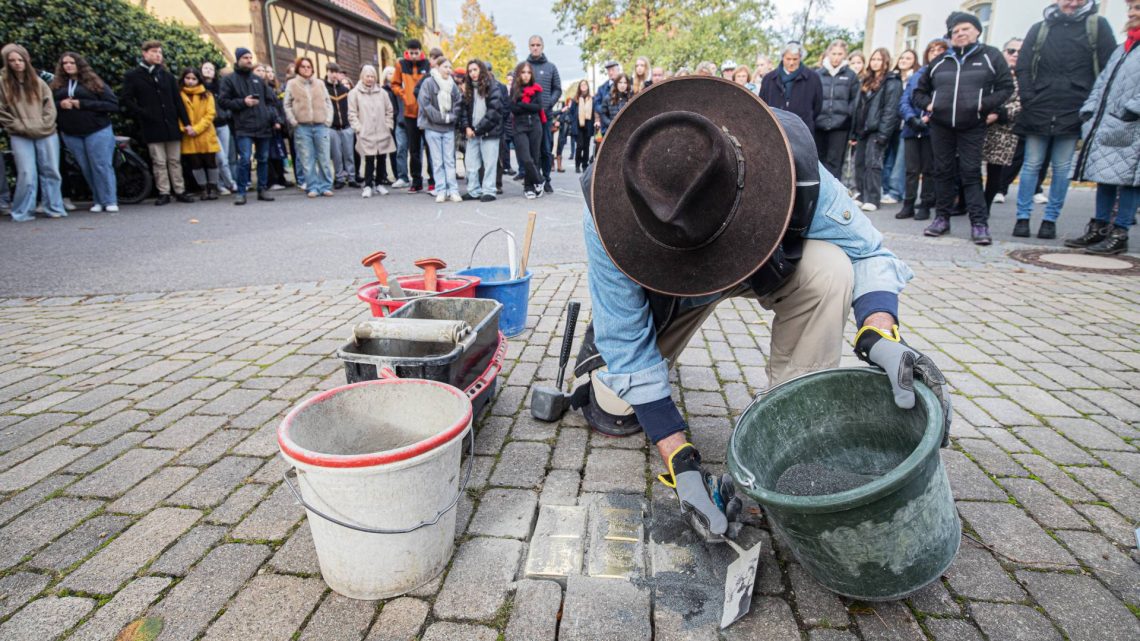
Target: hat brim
[[765, 204]]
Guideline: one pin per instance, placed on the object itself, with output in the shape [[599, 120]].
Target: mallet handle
[[567, 340]]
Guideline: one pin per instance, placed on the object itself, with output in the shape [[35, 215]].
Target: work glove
[[902, 363], [697, 490]]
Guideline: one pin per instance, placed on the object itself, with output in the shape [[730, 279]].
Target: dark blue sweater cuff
[[874, 302], [659, 419]]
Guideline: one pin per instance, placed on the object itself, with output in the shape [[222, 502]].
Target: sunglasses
[[1013, 52]]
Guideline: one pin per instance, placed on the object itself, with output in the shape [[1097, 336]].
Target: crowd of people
[[916, 129]]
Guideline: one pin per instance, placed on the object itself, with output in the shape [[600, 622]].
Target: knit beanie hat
[[958, 17], [239, 52]]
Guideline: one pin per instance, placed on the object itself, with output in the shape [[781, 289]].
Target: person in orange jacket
[[413, 67]]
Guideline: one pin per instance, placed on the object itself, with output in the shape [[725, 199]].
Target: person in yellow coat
[[200, 144]]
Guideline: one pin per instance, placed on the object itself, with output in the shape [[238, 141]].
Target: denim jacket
[[623, 328]]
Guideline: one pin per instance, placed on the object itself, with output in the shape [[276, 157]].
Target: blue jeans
[[225, 140], [37, 162], [245, 146], [401, 152], [482, 153], [95, 155], [341, 144], [1061, 161], [1129, 201], [894, 179], [312, 145], [5, 195], [442, 147]]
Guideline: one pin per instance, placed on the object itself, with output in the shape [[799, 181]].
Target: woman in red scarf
[[526, 105]]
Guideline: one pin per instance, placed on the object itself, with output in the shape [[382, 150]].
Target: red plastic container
[[449, 287]]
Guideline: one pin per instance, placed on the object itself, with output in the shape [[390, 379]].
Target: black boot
[[907, 210], [1047, 230], [1095, 232], [923, 212], [1116, 242], [211, 192], [1021, 228], [262, 195]]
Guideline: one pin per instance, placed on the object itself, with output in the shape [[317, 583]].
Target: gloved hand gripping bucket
[[378, 469], [877, 542]]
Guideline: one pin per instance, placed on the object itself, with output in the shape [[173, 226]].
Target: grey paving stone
[[17, 503], [597, 609], [1117, 490], [935, 599], [46, 618], [1053, 446], [1110, 523], [831, 635], [238, 504], [489, 436], [122, 474], [1085, 610], [1086, 433], [106, 453], [114, 564], [769, 619], [95, 398], [78, 543], [975, 574], [710, 435], [233, 402], [479, 579], [1007, 529], [570, 450], [298, 555], [991, 458], [190, 606], [41, 525], [272, 519], [967, 481], [528, 428], [186, 432], [558, 546], [704, 403], [212, 447], [30, 429], [952, 630], [109, 428], [698, 378], [560, 488], [400, 619], [444, 631], [535, 612], [18, 589], [502, 512], [271, 606], [339, 618], [1013, 623], [685, 610], [39, 467], [213, 485], [128, 604], [148, 494], [1055, 477], [1127, 463], [188, 550], [1004, 439], [890, 622], [522, 464], [1044, 506], [815, 604], [1119, 572], [171, 396], [1037, 400], [264, 412], [613, 470]]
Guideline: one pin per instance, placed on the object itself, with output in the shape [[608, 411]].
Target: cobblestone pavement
[[140, 483]]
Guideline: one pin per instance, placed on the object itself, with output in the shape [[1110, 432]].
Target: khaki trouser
[[166, 163], [807, 331]]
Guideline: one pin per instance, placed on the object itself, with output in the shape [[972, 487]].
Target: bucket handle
[[369, 530], [512, 251]]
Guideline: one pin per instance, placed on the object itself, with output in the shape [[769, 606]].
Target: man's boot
[[1116, 242], [264, 195], [1095, 232], [211, 192], [907, 210]]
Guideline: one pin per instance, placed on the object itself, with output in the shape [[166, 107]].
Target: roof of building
[[364, 9]]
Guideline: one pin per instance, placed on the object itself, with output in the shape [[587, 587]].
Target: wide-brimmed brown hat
[[693, 186]]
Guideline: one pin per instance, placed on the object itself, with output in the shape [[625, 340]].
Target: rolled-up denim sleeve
[[623, 328], [880, 275]]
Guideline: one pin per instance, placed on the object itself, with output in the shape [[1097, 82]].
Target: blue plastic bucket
[[495, 283]]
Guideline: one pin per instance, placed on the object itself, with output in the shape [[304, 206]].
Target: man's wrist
[[880, 320]]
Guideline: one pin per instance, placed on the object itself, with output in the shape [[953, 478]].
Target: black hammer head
[[548, 404]]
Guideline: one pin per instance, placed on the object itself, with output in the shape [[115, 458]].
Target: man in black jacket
[[840, 94], [341, 136], [546, 75], [960, 89], [248, 99], [1059, 62], [151, 96]]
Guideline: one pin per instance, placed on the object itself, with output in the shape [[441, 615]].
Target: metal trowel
[[739, 582]]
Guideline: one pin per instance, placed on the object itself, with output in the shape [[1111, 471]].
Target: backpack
[[1092, 28]]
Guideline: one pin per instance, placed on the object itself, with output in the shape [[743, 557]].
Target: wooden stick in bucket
[[526, 243]]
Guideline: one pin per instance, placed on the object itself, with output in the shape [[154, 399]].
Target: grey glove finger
[[897, 360], [694, 495], [929, 374]]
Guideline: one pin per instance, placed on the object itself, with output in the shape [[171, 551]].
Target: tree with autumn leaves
[[476, 36]]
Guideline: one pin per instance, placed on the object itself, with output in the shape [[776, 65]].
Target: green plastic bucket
[[877, 542]]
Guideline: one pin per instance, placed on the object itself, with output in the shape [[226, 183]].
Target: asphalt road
[[295, 239]]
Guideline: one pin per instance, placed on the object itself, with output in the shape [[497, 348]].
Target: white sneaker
[[366, 192], [999, 198], [889, 200], [530, 195], [222, 191], [401, 184], [111, 209], [440, 197], [1041, 198], [432, 192], [96, 209], [68, 205], [382, 190], [858, 203], [456, 198], [870, 207], [276, 187]]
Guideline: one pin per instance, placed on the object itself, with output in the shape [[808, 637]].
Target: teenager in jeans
[[481, 121], [28, 113], [84, 106], [439, 105], [310, 112]]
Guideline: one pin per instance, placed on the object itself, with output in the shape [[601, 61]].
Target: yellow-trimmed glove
[[902, 363]]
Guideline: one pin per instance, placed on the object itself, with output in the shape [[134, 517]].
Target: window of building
[[909, 35], [985, 13]]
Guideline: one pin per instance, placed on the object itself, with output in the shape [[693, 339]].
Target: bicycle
[[132, 173]]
